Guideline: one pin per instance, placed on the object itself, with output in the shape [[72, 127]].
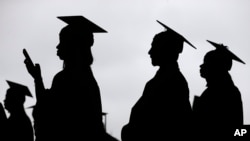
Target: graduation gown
[[18, 127], [71, 108], [163, 111], [218, 111]]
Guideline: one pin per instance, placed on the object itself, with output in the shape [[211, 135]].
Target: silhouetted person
[[163, 111], [3, 121], [218, 111], [71, 109], [18, 125]]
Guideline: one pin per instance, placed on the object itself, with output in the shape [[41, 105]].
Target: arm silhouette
[[35, 72]]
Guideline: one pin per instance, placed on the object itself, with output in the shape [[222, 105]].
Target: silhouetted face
[[204, 70], [214, 64], [164, 49], [13, 100], [63, 47], [74, 43], [156, 54]]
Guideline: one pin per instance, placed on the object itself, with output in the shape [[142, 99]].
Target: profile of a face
[[165, 48], [215, 63], [74, 44]]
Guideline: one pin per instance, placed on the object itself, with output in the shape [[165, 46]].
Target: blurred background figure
[[18, 125]]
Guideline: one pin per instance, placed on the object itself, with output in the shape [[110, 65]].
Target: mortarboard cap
[[20, 88], [228, 52], [82, 22], [176, 34]]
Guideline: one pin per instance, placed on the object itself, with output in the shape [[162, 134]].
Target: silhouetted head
[[217, 62], [74, 43], [15, 96], [166, 46], [164, 49], [76, 39]]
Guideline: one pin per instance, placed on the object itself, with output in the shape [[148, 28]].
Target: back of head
[[168, 42], [14, 96], [76, 39], [13, 101], [219, 60], [171, 39], [80, 30]]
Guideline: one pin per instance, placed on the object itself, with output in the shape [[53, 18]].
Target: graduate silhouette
[[18, 125], [71, 109], [163, 111], [218, 111]]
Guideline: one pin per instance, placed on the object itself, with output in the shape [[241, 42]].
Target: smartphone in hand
[[25, 53]]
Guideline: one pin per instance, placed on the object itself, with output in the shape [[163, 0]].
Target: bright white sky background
[[122, 65]]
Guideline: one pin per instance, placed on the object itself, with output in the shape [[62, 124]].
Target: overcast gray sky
[[122, 65]]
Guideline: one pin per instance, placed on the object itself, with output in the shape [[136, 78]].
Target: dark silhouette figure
[[163, 111], [71, 109], [18, 125], [3, 121], [218, 111]]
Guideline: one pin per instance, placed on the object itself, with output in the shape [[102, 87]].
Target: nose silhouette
[[150, 51], [201, 65]]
